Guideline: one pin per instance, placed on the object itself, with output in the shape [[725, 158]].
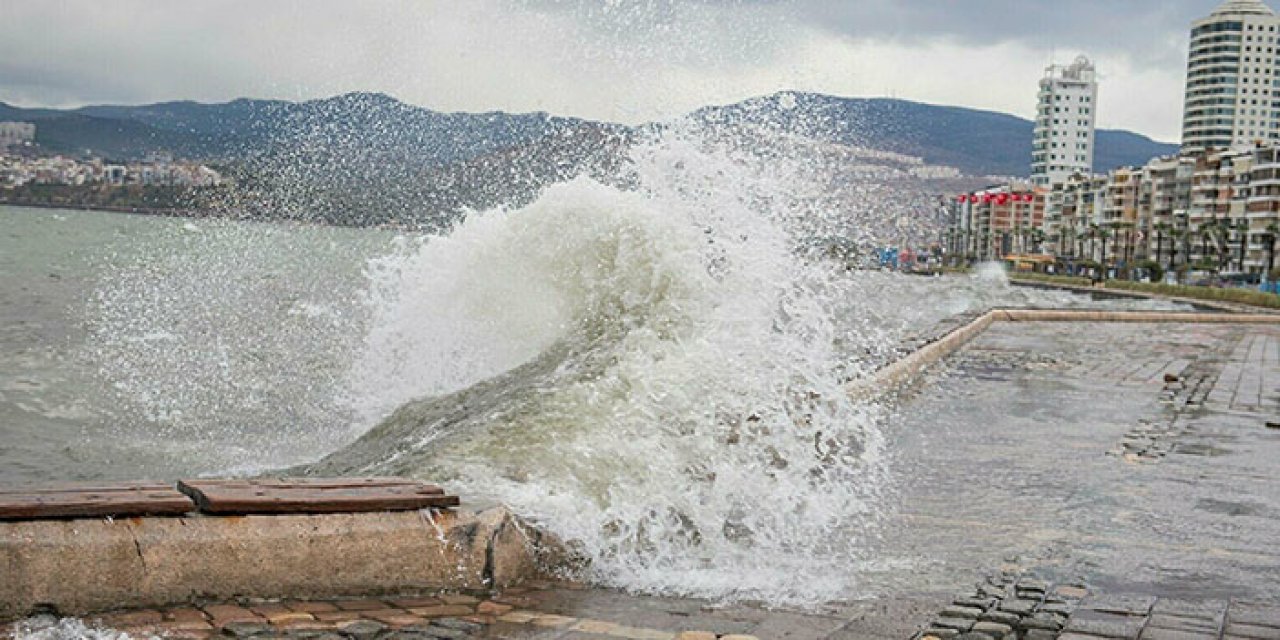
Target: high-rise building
[[1232, 95], [1063, 141]]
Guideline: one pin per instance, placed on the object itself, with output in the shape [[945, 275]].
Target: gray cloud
[[613, 59]]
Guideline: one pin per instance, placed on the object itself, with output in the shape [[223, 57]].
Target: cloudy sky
[[627, 61]]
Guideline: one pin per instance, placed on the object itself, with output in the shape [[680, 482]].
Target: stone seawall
[[82, 566], [908, 367]]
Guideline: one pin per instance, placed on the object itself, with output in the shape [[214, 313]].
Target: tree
[[1103, 234], [1272, 233], [1037, 239], [1161, 228]]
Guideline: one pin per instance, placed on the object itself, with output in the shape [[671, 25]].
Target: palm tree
[[1103, 234], [1037, 238], [1272, 233], [1161, 228]]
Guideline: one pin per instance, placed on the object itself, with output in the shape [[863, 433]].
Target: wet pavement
[[1120, 478]]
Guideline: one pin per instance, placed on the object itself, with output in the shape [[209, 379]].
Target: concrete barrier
[[82, 566], [901, 371]]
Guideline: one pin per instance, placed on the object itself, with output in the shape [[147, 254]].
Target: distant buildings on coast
[[1215, 206], [16, 134], [19, 167]]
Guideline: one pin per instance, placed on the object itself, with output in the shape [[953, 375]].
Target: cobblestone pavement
[[538, 611], [1010, 609]]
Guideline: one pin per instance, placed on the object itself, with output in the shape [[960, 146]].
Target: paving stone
[[183, 634], [516, 601], [1018, 606], [185, 614], [792, 626], [961, 612], [224, 613], [1074, 593], [1061, 608], [1207, 609], [959, 624], [414, 603], [336, 616], [1252, 631], [287, 616], [551, 620], [1109, 625], [1256, 616], [1039, 634], [1156, 633], [594, 626], [188, 625], [245, 629], [311, 607], [492, 608], [443, 610], [993, 629], [1044, 621], [1002, 617], [268, 609], [696, 635], [393, 617], [635, 633], [360, 605], [361, 629], [518, 617], [434, 631], [1123, 604], [938, 632], [461, 625], [1181, 623], [453, 598]]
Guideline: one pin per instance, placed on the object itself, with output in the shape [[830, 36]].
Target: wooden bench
[[314, 495], [220, 497], [92, 499]]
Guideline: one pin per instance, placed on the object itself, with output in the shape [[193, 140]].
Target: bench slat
[[338, 495], [95, 500]]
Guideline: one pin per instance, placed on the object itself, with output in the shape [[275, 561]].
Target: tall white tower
[[1065, 113], [1231, 78]]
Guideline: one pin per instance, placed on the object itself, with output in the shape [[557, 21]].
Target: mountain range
[[361, 152], [976, 142]]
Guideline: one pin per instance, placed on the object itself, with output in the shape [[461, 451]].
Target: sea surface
[[658, 383]]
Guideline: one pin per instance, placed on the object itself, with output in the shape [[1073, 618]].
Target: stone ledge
[[78, 567], [903, 370]]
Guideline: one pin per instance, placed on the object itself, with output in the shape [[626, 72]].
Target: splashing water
[[655, 375]]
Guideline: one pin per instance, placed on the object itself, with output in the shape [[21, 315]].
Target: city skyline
[[566, 58]]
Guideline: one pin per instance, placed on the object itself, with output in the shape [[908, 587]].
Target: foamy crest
[[662, 379]]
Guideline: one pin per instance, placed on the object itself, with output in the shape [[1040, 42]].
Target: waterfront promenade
[[1053, 480]]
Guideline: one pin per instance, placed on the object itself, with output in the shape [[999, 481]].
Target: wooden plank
[[316, 483], [314, 495], [91, 500], [64, 487]]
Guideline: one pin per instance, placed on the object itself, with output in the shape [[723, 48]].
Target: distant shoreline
[[142, 211], [201, 214]]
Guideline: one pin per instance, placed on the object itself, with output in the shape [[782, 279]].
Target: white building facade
[[1064, 132], [1232, 96], [13, 134]]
